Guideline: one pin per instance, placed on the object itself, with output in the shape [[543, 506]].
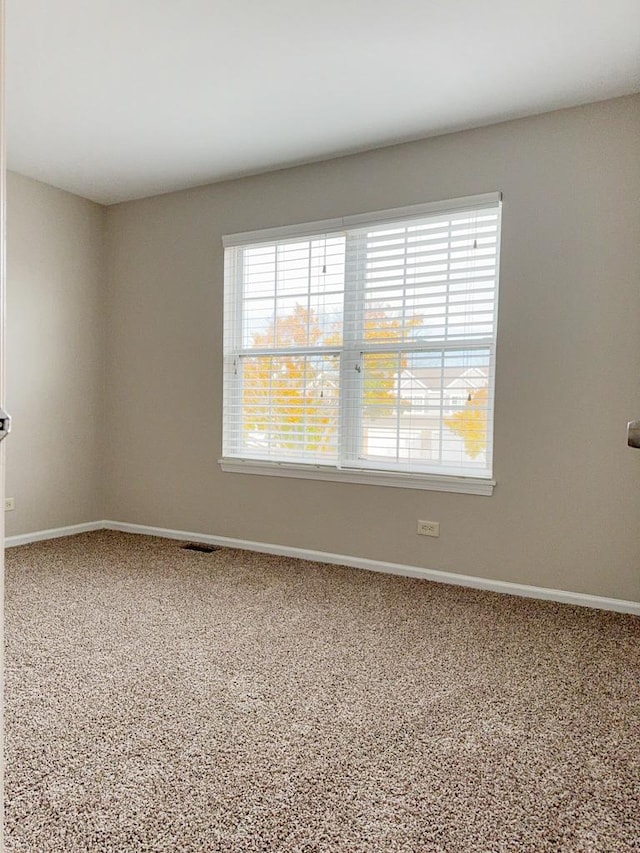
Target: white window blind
[[365, 344]]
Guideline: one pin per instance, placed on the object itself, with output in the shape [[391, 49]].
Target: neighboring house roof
[[428, 380]]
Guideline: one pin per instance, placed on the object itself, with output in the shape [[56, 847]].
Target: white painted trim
[[393, 214], [524, 590], [399, 479], [576, 598], [53, 533]]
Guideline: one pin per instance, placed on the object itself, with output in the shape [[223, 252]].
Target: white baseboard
[[577, 598], [53, 533], [524, 590]]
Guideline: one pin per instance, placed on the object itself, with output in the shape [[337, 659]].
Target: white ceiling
[[119, 99]]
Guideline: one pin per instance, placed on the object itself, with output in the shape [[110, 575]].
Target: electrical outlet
[[428, 528], [9, 504]]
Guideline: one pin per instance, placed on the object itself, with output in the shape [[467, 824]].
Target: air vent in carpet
[[198, 546]]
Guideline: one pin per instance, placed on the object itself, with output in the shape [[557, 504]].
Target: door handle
[[633, 434], [5, 424]]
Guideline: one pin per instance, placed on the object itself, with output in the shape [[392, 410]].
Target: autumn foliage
[[383, 368], [292, 399], [470, 423]]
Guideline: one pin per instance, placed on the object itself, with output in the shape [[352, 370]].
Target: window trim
[[362, 476], [481, 485], [326, 226]]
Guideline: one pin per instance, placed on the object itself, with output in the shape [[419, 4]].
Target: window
[[363, 349]]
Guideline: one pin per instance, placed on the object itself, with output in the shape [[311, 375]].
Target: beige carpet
[[164, 700]]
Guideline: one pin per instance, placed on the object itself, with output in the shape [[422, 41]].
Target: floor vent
[[198, 546]]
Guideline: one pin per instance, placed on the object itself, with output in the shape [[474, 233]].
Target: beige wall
[[146, 351], [54, 355], [566, 510]]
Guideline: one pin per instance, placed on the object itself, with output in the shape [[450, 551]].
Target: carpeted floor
[[164, 700]]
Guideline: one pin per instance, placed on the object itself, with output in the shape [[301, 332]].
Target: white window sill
[[429, 482]]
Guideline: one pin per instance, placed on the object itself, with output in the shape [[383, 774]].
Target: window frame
[[362, 473]]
